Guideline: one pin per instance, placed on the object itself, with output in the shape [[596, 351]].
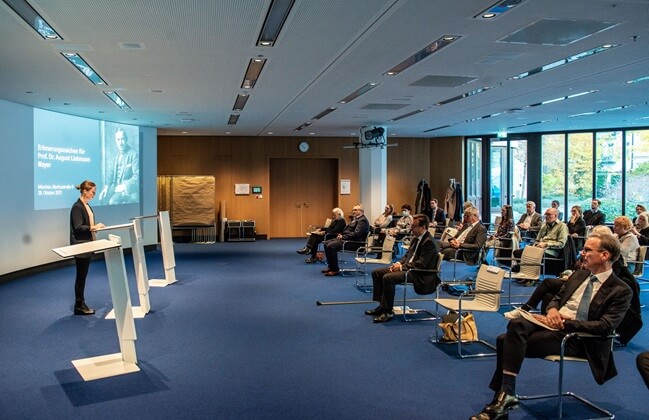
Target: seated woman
[[337, 225], [629, 244], [577, 226], [385, 219], [503, 236], [639, 209], [641, 230], [403, 224]]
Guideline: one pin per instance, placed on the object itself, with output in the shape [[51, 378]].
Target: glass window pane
[[553, 176], [637, 170], [518, 168], [497, 177], [608, 172], [474, 172], [580, 170]]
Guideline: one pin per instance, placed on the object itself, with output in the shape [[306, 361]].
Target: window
[[580, 170], [608, 172], [637, 170], [553, 176], [474, 172]]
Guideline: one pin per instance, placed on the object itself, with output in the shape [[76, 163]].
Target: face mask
[[405, 212]]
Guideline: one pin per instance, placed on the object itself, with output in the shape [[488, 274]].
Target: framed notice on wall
[[345, 187], [241, 189]]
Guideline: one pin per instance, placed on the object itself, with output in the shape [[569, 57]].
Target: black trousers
[[525, 339], [642, 362], [544, 293], [83, 264], [384, 286], [312, 243], [332, 247]]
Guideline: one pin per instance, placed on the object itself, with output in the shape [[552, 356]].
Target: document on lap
[[533, 320]]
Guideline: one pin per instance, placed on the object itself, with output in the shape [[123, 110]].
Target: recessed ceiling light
[[358, 92], [429, 49], [117, 100], [488, 15], [255, 66], [85, 69], [275, 19], [33, 19]]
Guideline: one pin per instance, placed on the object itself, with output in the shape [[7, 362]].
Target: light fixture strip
[[422, 54], [255, 66], [303, 126], [358, 92], [324, 113], [409, 114], [498, 9], [437, 128], [117, 99], [85, 69], [564, 61], [33, 19], [234, 118], [464, 95], [275, 18], [240, 102], [563, 98]]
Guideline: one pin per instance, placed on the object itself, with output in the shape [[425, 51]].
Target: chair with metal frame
[[456, 259], [349, 249], [362, 260], [561, 358], [639, 262], [486, 298], [408, 312]]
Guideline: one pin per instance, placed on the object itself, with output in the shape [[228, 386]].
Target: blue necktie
[[584, 303]]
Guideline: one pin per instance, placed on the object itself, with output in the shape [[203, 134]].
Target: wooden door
[[302, 193]]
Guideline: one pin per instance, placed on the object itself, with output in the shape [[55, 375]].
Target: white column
[[373, 180]]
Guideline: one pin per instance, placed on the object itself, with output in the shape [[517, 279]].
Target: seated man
[[594, 216], [337, 225], [592, 301], [530, 221], [469, 240], [422, 254], [436, 216], [356, 231], [552, 237]]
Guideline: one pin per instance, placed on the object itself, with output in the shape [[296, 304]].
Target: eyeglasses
[[549, 214], [588, 250]]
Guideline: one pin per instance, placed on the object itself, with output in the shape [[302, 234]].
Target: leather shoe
[[376, 311], [331, 273], [311, 260], [325, 270], [384, 317], [501, 404], [83, 310], [304, 251]]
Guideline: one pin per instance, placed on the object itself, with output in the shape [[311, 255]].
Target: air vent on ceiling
[[556, 31], [131, 45]]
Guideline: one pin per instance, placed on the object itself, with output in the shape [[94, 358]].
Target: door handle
[[297, 205], [305, 204]]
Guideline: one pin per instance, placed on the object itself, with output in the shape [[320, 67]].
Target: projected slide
[[69, 150]]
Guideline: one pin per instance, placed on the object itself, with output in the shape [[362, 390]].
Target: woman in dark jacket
[[337, 225], [82, 229], [577, 226]]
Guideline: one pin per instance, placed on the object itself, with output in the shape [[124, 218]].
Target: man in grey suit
[[468, 242], [593, 300]]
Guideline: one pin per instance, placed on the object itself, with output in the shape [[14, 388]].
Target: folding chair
[[362, 260], [486, 298], [561, 358], [407, 312]]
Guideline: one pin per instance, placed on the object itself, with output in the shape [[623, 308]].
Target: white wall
[[28, 236]]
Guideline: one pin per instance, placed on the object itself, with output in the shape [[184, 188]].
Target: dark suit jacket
[[426, 257], [439, 216], [356, 230], [473, 243], [606, 311], [336, 227], [594, 219], [79, 224]]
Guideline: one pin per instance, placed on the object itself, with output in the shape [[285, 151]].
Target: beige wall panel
[[446, 161], [408, 163]]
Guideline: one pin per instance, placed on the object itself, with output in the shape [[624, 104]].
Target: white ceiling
[[197, 51]]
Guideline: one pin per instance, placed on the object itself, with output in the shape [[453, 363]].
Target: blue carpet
[[240, 336]]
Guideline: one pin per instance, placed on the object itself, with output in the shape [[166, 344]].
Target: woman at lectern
[[82, 229]]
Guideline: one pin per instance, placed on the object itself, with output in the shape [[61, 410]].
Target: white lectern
[[118, 363], [141, 275], [167, 247]]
